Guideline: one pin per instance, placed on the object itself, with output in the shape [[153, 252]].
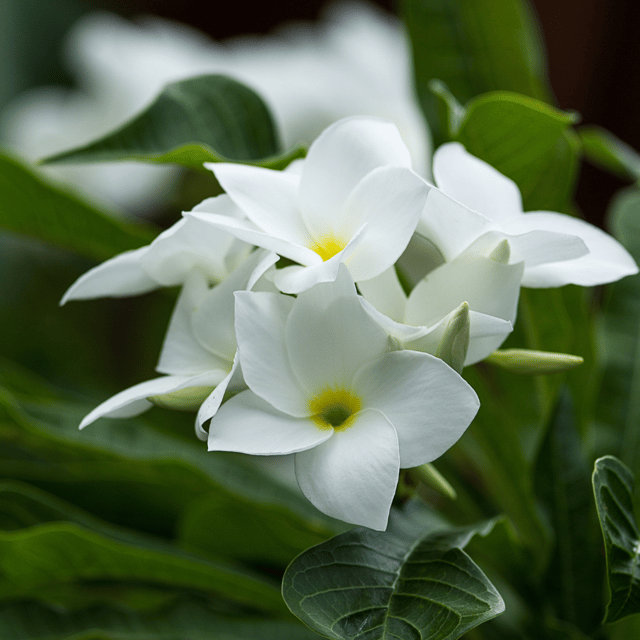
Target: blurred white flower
[[356, 61], [324, 386], [355, 201]]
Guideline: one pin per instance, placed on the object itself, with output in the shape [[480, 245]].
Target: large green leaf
[[50, 549], [573, 577], [380, 585], [609, 152], [201, 119], [613, 488], [253, 533], [618, 407], [474, 46], [185, 620], [32, 206], [525, 139], [137, 472]]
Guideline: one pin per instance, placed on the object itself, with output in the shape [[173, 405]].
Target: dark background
[[592, 45]]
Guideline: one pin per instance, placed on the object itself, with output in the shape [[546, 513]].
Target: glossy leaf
[[50, 549], [379, 586], [525, 139], [202, 119], [613, 489], [609, 152], [32, 206], [184, 620], [138, 472], [474, 46], [254, 533], [572, 584]]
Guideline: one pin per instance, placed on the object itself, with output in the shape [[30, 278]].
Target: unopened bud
[[454, 343], [528, 362]]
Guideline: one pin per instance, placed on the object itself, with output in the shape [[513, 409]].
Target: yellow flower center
[[334, 408], [327, 246]]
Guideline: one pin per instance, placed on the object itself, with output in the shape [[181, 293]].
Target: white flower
[[476, 203], [199, 351], [488, 284], [187, 245], [355, 201], [324, 386]]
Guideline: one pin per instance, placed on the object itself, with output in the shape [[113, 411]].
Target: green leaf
[[190, 619], [32, 206], [573, 577], [609, 152], [379, 586], [134, 473], [50, 549], [525, 139], [613, 488], [618, 406], [203, 119], [252, 533], [474, 46]]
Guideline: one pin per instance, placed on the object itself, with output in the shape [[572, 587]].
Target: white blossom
[[324, 385], [355, 200]]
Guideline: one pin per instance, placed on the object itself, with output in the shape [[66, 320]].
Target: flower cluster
[[349, 355]]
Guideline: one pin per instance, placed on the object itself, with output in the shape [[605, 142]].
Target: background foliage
[[132, 530]]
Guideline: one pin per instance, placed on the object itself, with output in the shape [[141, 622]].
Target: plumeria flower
[[325, 386], [475, 203], [489, 285], [187, 245], [199, 351], [355, 200]]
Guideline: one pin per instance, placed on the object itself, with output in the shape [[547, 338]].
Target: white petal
[[212, 318], [607, 260], [475, 183], [401, 332], [248, 424], [247, 231], [260, 327], [338, 159], [486, 334], [486, 285], [353, 476], [269, 198], [540, 247], [327, 345], [449, 225], [122, 275], [389, 200], [296, 279], [426, 401], [386, 294], [191, 243], [133, 401], [182, 354], [233, 381]]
